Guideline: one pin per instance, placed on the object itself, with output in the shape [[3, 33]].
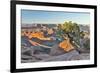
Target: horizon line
[[48, 23]]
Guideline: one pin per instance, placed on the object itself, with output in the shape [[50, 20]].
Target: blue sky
[[35, 16]]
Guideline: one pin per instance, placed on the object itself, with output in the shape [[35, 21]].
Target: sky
[[53, 17]]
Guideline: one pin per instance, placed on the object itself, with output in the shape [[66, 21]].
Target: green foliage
[[71, 29], [67, 26]]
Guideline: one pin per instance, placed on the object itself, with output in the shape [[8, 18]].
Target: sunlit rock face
[[41, 43]]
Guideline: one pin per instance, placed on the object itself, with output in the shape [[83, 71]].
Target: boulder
[[42, 56], [55, 50], [64, 57]]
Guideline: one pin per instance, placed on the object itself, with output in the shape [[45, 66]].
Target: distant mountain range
[[83, 27]]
